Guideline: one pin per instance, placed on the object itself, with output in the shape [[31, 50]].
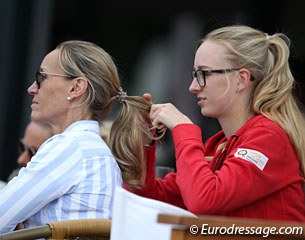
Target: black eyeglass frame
[[39, 77], [204, 72]]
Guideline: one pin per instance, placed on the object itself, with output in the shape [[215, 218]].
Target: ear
[[244, 79], [78, 88]]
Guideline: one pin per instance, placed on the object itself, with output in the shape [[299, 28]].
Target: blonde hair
[[126, 140], [266, 57]]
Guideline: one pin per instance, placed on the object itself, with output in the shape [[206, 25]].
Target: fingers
[[155, 110], [147, 97], [156, 116], [159, 127], [167, 115], [158, 131]]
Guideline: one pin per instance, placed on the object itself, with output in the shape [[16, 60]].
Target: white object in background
[[135, 217]]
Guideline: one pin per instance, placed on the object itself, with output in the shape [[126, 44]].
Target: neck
[[59, 125], [232, 123]]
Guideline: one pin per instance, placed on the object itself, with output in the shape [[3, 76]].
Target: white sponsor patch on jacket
[[257, 158]]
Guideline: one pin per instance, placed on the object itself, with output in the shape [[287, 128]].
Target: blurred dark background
[[152, 42]]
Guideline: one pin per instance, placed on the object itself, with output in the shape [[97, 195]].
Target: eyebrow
[[202, 67], [44, 69]]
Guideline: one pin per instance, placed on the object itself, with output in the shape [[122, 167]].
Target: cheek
[[219, 100], [47, 103], [220, 90], [52, 99]]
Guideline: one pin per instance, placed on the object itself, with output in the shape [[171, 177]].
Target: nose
[[194, 86], [33, 88], [23, 158]]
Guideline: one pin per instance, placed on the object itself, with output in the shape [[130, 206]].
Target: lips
[[201, 101], [202, 98], [34, 103]]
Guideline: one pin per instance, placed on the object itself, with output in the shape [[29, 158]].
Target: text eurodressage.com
[[234, 230]]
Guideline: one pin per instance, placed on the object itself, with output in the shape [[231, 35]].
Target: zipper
[[218, 158], [228, 146]]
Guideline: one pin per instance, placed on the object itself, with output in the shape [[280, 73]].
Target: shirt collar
[[84, 125]]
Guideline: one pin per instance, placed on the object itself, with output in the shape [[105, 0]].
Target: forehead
[[210, 54], [50, 61]]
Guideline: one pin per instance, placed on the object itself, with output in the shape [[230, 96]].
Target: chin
[[206, 113], [35, 117]]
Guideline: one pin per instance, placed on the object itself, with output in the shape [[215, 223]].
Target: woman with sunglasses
[[74, 173], [254, 167]]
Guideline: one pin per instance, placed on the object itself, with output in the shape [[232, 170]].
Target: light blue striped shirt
[[72, 176]]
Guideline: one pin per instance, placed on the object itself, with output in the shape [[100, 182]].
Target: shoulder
[[81, 138], [262, 126], [265, 136]]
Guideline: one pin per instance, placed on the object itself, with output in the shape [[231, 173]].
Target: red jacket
[[256, 174]]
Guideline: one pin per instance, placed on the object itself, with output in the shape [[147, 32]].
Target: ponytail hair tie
[[120, 95], [268, 37]]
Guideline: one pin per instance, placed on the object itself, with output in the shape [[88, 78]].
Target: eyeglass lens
[[200, 77], [38, 78]]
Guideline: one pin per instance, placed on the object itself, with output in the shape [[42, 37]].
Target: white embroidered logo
[[259, 159]]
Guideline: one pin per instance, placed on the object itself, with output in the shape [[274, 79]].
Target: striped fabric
[[72, 176]]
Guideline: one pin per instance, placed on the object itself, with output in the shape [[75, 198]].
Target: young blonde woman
[[254, 167]]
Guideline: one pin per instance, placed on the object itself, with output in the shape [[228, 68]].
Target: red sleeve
[[165, 189], [238, 182]]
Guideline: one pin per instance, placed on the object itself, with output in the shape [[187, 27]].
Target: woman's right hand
[[167, 115]]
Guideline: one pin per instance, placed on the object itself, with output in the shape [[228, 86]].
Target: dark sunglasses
[[22, 148], [41, 76]]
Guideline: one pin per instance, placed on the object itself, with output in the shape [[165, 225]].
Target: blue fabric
[[72, 176]]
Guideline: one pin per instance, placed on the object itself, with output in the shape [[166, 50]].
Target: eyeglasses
[[200, 75], [22, 148], [41, 76]]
